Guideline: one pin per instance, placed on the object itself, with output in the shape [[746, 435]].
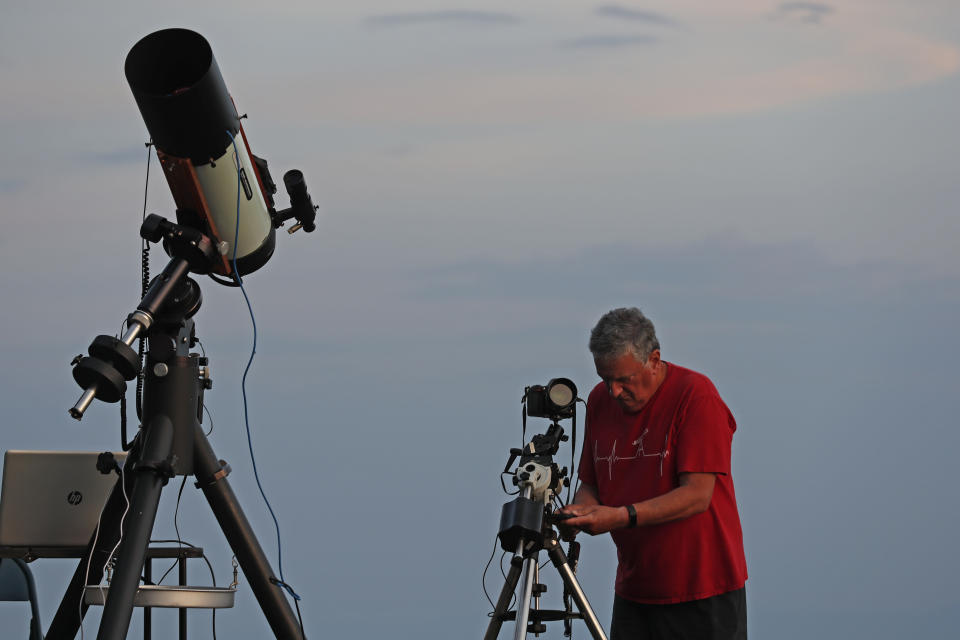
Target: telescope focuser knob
[[107, 463], [151, 229]]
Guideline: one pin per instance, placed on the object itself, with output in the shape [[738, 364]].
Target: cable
[[113, 551], [296, 604], [513, 600], [209, 415], [213, 577], [504, 484], [144, 284], [192, 546], [96, 536], [145, 281], [483, 578], [246, 416], [86, 575], [205, 408], [179, 540], [223, 281], [576, 485]]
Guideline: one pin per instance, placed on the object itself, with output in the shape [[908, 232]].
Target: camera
[[556, 401]]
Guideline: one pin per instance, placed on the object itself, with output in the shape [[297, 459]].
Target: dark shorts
[[721, 617]]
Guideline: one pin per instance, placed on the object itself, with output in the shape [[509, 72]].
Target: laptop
[[52, 498]]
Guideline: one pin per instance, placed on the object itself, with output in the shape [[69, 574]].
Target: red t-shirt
[[628, 458]]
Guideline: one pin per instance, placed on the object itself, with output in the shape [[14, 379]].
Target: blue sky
[[773, 183]]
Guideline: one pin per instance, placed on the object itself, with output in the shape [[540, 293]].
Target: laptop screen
[[52, 498]]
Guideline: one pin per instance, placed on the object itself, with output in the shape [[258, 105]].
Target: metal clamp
[[209, 481]]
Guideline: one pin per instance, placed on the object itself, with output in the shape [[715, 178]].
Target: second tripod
[[526, 528]]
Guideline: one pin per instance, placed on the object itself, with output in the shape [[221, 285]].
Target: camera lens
[[561, 393]]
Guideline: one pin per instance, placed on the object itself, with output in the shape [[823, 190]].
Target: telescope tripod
[[526, 528], [145, 478], [529, 617], [171, 442]]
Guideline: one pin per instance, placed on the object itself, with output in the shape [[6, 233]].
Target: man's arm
[[586, 495], [691, 497]]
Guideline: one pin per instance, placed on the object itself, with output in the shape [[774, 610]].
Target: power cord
[[144, 284], [246, 418], [213, 577]]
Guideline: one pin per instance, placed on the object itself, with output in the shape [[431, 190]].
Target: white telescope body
[[195, 127], [218, 181]]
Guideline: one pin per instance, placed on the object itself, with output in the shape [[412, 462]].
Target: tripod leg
[[506, 595], [242, 540], [523, 605], [138, 526], [66, 622], [559, 559]]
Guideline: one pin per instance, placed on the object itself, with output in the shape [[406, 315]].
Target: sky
[[773, 183]]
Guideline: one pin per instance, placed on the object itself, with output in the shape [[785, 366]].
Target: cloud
[[608, 42], [452, 17], [634, 15], [730, 73], [808, 12]]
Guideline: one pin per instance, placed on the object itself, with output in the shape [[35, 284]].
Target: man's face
[[630, 381]]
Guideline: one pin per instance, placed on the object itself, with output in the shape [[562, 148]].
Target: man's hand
[[567, 534], [595, 518]]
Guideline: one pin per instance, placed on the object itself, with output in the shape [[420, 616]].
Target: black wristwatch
[[632, 512]]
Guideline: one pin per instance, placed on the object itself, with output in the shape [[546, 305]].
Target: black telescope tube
[[181, 95]]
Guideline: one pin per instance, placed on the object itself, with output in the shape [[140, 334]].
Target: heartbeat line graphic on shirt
[[639, 453]]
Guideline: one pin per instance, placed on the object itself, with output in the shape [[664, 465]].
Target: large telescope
[[226, 219], [226, 225], [204, 151]]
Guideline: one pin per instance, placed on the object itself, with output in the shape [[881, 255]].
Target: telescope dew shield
[[193, 123]]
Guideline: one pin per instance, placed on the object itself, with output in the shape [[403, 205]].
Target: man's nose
[[614, 389]]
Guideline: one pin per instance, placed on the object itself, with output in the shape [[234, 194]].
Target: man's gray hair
[[623, 331]]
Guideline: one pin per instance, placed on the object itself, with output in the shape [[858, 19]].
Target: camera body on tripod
[[555, 400]]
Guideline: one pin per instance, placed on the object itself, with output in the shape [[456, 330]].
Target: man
[[655, 473]]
